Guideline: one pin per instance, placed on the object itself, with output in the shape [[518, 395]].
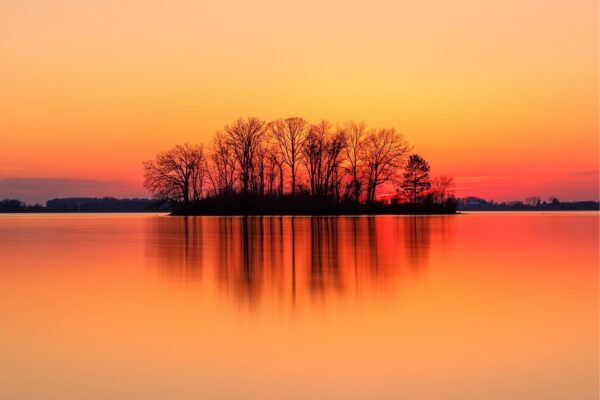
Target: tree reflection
[[324, 266], [176, 244], [290, 259], [417, 240]]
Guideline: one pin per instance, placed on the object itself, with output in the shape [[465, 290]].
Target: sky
[[501, 95]]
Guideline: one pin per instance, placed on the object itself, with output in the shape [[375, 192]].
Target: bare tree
[[176, 174], [245, 137], [322, 155], [199, 174], [223, 168], [416, 177], [313, 150], [533, 201], [382, 155], [334, 147], [443, 186], [276, 169], [272, 170], [355, 133], [260, 166], [290, 135]]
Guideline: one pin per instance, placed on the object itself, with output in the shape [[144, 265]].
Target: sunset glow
[[501, 95]]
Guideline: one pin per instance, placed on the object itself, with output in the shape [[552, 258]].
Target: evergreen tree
[[416, 179]]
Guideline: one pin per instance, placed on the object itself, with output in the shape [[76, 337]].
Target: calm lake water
[[477, 306]]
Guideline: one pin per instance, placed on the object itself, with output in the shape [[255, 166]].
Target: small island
[[292, 167]]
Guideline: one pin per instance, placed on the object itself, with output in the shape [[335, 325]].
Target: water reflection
[[417, 236], [480, 306], [290, 257]]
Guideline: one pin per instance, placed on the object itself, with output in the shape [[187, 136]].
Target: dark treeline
[[530, 204], [303, 205], [290, 166], [84, 204]]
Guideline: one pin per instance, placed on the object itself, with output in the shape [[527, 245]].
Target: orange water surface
[[472, 306]]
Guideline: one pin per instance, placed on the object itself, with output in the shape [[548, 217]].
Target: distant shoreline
[[288, 207], [465, 205], [458, 212]]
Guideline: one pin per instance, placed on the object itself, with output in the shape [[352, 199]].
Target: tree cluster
[[291, 157]]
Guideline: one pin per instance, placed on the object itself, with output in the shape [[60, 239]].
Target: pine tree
[[416, 179]]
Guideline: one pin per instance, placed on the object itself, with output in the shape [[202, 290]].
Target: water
[[478, 306]]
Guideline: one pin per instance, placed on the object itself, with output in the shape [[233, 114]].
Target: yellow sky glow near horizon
[[502, 95]]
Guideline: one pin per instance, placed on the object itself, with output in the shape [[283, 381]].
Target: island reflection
[[288, 259]]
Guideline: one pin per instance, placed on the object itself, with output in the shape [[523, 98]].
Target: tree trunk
[[293, 180], [280, 180]]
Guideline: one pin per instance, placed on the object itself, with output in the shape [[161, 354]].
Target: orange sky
[[503, 95]]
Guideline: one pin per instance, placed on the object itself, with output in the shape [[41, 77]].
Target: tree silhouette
[[355, 133], [383, 153], [416, 177], [177, 174], [223, 166], [275, 169], [322, 156], [290, 135], [442, 187], [330, 170], [533, 201], [245, 137]]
